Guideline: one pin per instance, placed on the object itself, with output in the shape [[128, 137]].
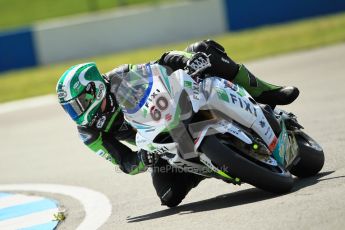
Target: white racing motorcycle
[[216, 129]]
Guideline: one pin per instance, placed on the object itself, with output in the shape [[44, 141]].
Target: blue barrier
[[244, 14], [17, 49]]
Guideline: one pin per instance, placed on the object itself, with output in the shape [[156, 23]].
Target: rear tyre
[[270, 178], [311, 156]]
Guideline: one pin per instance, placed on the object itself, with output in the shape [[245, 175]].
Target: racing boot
[[223, 65], [264, 92]]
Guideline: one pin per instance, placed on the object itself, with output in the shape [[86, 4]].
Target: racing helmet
[[81, 90]]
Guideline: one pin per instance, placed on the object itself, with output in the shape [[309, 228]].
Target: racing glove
[[198, 63], [148, 158]]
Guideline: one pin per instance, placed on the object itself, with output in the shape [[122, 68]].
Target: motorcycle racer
[[89, 98]]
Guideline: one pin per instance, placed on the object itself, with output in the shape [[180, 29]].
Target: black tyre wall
[[248, 171]]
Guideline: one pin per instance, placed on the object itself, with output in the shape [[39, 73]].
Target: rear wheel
[[311, 156], [270, 178]]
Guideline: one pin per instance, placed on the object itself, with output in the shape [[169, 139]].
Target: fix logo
[[196, 90], [152, 97], [246, 105]]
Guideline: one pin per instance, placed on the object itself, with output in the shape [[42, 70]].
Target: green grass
[[16, 13], [241, 46]]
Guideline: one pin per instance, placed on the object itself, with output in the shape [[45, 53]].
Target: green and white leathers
[[81, 90]]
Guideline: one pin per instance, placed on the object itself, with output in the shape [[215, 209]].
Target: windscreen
[[134, 89]]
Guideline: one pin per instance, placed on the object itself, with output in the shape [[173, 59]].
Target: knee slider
[[170, 198], [166, 196]]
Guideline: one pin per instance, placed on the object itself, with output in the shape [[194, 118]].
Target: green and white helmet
[[81, 90]]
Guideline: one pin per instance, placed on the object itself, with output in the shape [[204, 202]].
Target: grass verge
[[241, 46]]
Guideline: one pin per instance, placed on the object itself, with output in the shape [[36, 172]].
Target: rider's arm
[[110, 148]]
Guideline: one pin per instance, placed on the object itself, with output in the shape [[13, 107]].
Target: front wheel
[[270, 178], [311, 156]]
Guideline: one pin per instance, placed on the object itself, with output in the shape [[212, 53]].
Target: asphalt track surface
[[41, 145]]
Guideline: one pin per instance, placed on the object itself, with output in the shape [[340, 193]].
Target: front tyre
[[270, 178], [311, 156]]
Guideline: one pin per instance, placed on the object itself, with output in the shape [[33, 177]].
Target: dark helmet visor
[[72, 109], [76, 107]]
